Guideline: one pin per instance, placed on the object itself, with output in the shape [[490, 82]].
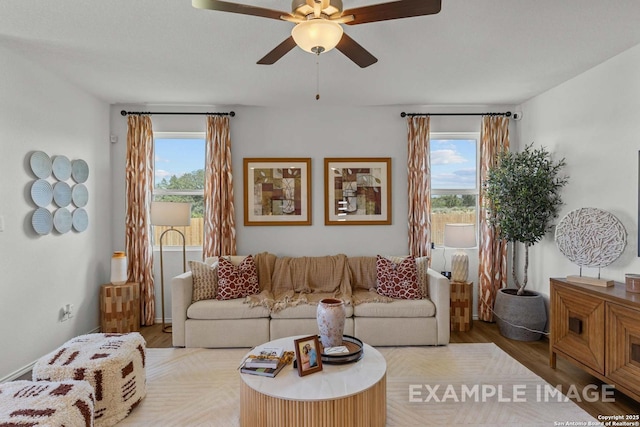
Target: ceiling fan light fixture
[[316, 33]]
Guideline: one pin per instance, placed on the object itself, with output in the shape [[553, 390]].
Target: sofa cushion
[[205, 280], [422, 268], [397, 308], [229, 309], [362, 272], [237, 281], [398, 280], [304, 311]]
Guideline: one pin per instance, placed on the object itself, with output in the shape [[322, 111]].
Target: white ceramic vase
[[118, 268], [330, 315]]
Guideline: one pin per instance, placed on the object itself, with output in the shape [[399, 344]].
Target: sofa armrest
[[440, 295], [181, 296]]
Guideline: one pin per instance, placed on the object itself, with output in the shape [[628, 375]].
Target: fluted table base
[[367, 408]]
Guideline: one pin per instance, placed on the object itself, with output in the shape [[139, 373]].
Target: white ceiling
[[167, 52]]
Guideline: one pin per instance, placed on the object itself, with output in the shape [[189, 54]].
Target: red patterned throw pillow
[[398, 280], [237, 282]]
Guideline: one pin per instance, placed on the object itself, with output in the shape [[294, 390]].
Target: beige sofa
[[290, 289]]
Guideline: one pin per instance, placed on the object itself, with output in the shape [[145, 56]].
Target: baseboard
[[17, 374], [25, 369]]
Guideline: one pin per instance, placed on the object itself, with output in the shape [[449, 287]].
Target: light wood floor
[[533, 355]]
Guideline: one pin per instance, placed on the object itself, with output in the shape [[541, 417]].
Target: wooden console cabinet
[[597, 329]]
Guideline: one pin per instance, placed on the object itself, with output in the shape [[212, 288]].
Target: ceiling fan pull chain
[[318, 76]]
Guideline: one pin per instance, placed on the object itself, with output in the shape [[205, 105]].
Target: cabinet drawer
[[578, 328], [623, 346]]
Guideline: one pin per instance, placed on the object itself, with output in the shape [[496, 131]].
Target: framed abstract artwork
[[357, 191], [277, 191]]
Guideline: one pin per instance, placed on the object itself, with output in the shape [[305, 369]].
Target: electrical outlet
[[67, 312]]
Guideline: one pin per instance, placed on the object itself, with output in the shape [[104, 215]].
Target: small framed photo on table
[[308, 355]]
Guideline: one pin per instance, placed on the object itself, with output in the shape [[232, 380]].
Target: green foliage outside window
[[188, 182]]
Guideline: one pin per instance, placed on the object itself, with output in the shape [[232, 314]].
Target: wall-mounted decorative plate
[[42, 221], [41, 193], [591, 237], [40, 164], [80, 195], [80, 220], [79, 170], [61, 168], [62, 220], [62, 194]]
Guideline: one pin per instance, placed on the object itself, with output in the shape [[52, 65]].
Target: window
[[454, 181], [179, 161]]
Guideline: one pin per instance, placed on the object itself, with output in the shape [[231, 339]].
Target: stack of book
[[267, 362]]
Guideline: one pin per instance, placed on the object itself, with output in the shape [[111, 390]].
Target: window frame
[[460, 191], [164, 192]]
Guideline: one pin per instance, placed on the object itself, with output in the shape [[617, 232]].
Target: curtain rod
[[133, 113], [505, 114]]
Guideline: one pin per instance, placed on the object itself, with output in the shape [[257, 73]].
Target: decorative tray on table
[[354, 352]]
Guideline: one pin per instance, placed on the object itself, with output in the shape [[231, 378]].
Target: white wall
[[40, 111], [311, 132], [592, 121]]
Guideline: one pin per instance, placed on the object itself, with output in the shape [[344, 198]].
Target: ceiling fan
[[318, 28]]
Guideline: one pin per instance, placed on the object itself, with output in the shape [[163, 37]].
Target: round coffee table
[[353, 394]]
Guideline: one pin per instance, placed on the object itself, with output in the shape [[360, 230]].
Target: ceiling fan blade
[[352, 50], [243, 9], [278, 52], [393, 10]]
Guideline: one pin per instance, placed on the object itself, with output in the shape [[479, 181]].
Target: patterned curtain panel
[[419, 175], [219, 222], [492, 274], [139, 188]]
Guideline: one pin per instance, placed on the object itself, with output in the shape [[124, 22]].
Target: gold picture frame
[[357, 191], [277, 191], [308, 355]]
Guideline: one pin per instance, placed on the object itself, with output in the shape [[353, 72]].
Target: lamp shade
[[460, 236], [317, 32], [173, 214]]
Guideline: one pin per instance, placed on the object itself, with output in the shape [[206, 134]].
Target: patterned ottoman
[[44, 403], [114, 364]]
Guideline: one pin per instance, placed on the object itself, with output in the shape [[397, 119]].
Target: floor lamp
[[170, 214], [460, 236]]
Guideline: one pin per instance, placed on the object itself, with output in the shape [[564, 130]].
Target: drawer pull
[[575, 325], [635, 352]]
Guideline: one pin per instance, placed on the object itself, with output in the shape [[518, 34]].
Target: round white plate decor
[[591, 237], [61, 168], [80, 195], [62, 220], [42, 221], [80, 220], [41, 193], [62, 194], [79, 171], [40, 164]]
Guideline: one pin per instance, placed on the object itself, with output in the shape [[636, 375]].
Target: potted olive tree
[[523, 195]]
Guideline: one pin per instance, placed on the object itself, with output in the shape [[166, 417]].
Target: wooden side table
[[461, 305], [120, 307]]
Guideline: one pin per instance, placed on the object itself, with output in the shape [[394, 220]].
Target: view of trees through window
[[454, 182], [179, 177]]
